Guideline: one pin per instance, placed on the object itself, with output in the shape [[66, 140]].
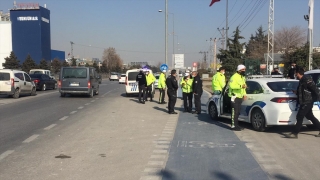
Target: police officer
[[307, 93], [218, 81], [142, 82], [197, 91], [172, 86], [186, 86], [150, 80], [237, 92], [162, 86]]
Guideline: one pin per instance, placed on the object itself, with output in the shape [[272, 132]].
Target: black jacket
[[307, 91], [291, 73], [197, 85], [141, 78], [172, 83]]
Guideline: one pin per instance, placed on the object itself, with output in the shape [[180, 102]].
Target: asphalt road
[[114, 137]]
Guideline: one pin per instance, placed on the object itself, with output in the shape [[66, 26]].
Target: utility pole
[[215, 56], [204, 57], [227, 26], [166, 33], [223, 38], [270, 56]]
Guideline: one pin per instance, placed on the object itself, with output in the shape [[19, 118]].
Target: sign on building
[[179, 61]]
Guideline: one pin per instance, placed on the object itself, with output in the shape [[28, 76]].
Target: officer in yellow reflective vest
[[150, 80], [162, 87], [237, 92], [218, 81], [186, 86]]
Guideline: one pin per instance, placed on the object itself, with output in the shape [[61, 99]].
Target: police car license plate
[[74, 84]]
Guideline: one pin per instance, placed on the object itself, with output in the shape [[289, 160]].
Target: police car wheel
[[258, 120], [213, 112]]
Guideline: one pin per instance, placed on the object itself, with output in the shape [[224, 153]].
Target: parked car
[[270, 102], [99, 78], [78, 80], [42, 71], [315, 74], [131, 83], [43, 82], [15, 82], [157, 81], [122, 79], [114, 76]]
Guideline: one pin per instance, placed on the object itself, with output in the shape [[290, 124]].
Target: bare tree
[[289, 38], [112, 60]]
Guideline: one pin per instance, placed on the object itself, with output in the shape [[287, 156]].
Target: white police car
[[131, 84], [270, 102]]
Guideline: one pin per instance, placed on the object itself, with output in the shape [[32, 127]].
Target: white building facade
[[5, 38]]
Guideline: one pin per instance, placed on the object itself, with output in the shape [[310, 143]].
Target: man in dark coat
[[307, 93], [197, 91], [142, 82], [292, 70], [172, 87]]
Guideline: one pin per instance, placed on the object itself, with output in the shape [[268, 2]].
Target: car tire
[[97, 91], [44, 87], [91, 94], [33, 92], [213, 111], [258, 120], [16, 94]]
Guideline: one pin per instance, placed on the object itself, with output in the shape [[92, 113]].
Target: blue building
[[31, 32], [60, 55]]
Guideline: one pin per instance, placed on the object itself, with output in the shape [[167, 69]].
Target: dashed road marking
[[49, 127], [63, 118], [87, 104], [81, 107], [73, 112], [93, 100], [162, 146], [155, 163], [157, 156], [97, 98], [106, 93], [152, 170], [5, 154], [160, 151], [31, 138]]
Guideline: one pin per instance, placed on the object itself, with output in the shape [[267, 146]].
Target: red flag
[[213, 1]]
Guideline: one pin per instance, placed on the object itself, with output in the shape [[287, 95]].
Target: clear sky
[[136, 28]]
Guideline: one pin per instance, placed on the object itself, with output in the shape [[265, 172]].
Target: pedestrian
[[291, 73], [186, 86], [197, 91], [150, 80], [172, 86], [275, 72], [142, 82], [307, 93], [237, 92], [218, 81], [162, 87]]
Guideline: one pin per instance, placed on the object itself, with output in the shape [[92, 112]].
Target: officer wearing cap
[[142, 82], [186, 86], [237, 92], [150, 80], [218, 81], [162, 86], [172, 85]]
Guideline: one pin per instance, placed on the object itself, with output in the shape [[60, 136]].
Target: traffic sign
[[164, 67]]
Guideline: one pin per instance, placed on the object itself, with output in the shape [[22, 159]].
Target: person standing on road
[[172, 86], [197, 91], [150, 80], [218, 81], [292, 70], [237, 92], [162, 87], [307, 93], [186, 86], [142, 82], [275, 72]]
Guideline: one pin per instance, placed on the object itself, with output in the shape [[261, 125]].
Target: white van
[[131, 83], [15, 82], [41, 71]]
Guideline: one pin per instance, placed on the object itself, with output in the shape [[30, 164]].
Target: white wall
[[5, 41]]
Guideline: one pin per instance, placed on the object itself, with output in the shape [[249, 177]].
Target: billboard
[[179, 61]]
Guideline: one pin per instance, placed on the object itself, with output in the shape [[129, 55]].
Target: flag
[[213, 1], [311, 3]]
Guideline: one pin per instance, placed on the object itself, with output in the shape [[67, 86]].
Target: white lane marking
[[158, 156], [73, 112], [5, 154], [81, 107], [155, 163], [160, 151], [63, 118], [152, 170], [151, 177], [107, 93], [49, 127], [93, 101], [162, 146], [87, 104], [97, 98], [31, 138]]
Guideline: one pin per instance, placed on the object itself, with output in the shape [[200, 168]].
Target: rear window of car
[[114, 73], [123, 75], [283, 86], [132, 76], [35, 75], [36, 72], [74, 73], [4, 76]]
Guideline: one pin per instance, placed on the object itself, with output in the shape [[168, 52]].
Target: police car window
[[283, 86], [4, 76], [132, 76], [253, 88]]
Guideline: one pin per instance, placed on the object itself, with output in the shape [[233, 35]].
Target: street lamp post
[[166, 31]]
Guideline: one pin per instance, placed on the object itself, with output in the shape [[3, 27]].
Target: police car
[[131, 84], [270, 102]]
